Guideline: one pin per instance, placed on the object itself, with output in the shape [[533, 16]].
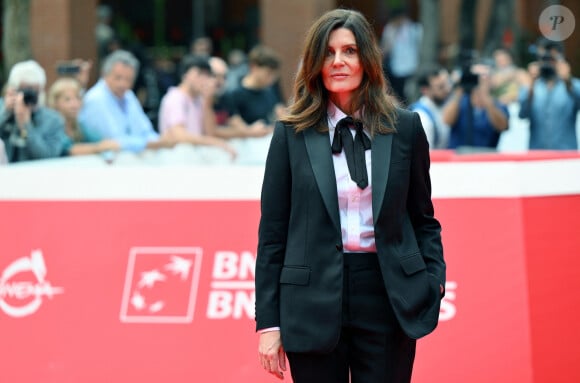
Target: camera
[[67, 68], [547, 70], [468, 80], [29, 96]]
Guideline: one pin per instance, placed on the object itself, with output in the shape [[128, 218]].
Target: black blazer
[[299, 266]]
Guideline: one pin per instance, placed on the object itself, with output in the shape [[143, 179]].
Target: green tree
[[16, 38]]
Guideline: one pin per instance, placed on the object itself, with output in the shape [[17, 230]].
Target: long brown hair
[[310, 99]]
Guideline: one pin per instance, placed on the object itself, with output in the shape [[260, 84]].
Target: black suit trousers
[[372, 347]]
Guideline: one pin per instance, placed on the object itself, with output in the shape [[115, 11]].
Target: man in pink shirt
[[186, 113]]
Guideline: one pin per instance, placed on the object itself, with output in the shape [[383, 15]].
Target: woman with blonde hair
[[65, 96]]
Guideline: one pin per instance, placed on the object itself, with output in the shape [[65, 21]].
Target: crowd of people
[[70, 119], [209, 100], [470, 106]]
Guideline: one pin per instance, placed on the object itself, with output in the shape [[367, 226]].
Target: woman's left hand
[[272, 355]]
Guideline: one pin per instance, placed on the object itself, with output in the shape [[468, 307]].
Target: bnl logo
[[161, 285]]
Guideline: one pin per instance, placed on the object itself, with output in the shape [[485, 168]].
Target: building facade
[[64, 29]]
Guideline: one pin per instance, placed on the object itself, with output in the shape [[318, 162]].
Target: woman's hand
[[271, 352]]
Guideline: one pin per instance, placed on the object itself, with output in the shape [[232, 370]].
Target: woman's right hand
[[271, 352]]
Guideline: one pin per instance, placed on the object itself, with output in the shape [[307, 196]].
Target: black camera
[[68, 68], [468, 80], [547, 70], [29, 96]]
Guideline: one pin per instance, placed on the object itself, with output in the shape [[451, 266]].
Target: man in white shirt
[[435, 88]]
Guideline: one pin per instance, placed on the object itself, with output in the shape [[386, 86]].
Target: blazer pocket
[[401, 162], [413, 263], [295, 275]]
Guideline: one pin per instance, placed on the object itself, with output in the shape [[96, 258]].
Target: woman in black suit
[[350, 269]]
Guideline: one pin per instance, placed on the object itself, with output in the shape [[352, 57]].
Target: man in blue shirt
[[551, 100], [111, 109], [475, 117]]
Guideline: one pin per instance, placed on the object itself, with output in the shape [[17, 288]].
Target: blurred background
[[160, 31]]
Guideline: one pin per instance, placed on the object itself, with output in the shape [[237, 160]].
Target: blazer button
[[338, 247]]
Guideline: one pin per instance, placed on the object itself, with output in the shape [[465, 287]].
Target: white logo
[[557, 23], [20, 297], [448, 306], [233, 288], [161, 285]]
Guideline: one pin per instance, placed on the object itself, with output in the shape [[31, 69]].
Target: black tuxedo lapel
[[318, 148], [380, 162]]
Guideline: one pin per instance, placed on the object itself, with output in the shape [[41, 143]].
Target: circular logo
[[556, 23], [21, 297]]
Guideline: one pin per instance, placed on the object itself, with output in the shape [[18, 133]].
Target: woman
[[348, 273], [65, 97]]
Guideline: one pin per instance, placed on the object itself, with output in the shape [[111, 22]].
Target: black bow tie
[[353, 149]]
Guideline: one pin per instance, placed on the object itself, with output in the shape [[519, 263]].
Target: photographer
[[550, 99], [475, 117], [28, 129]]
